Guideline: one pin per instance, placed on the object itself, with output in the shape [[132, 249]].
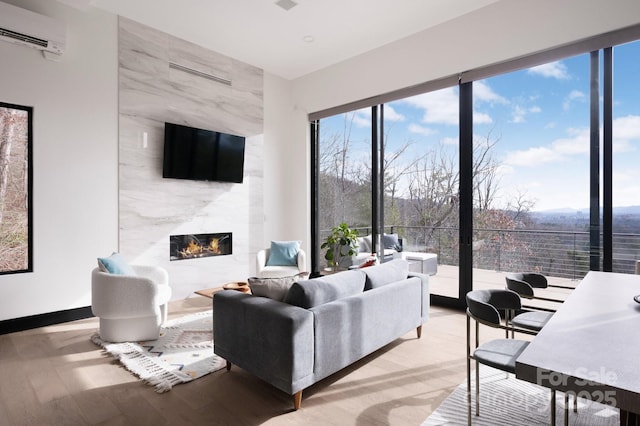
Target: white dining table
[[591, 345]]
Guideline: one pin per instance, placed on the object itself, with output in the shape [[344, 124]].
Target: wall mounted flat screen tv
[[198, 154]]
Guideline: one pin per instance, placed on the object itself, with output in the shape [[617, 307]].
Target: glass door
[[531, 173], [343, 184], [421, 184], [626, 157]]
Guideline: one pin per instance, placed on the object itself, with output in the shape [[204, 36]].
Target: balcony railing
[[552, 253]]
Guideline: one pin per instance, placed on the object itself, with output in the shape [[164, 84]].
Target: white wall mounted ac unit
[[31, 29]]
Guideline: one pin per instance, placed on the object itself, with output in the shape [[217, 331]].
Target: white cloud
[[391, 114], [531, 157], [483, 93], [420, 130], [504, 170], [450, 141], [440, 107], [574, 95], [557, 151], [481, 118], [626, 130], [362, 117], [519, 113], [551, 70], [577, 143]]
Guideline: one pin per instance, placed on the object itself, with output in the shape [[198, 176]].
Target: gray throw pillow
[[391, 241], [386, 273], [273, 288], [317, 291]]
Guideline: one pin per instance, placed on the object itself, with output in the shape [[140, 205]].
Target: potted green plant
[[340, 243]]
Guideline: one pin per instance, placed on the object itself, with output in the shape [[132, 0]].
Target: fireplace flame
[[196, 249], [200, 245]]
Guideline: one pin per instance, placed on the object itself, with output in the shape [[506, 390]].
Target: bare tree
[[520, 206], [485, 178], [341, 178], [13, 189], [7, 132]]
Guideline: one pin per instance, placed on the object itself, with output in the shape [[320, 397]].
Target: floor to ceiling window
[[506, 171], [344, 174], [626, 157], [531, 171], [421, 181]]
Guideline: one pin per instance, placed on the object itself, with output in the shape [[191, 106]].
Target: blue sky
[[540, 120]]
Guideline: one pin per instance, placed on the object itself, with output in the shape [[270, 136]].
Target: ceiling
[[264, 34]]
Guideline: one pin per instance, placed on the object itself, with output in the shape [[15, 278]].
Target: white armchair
[[264, 271], [130, 307]]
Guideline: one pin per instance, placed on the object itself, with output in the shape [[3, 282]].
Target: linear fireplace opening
[[193, 246]]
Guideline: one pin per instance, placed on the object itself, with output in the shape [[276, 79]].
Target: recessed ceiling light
[[308, 39], [286, 4]]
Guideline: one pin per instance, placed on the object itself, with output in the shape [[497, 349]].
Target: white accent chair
[[130, 307], [264, 271]]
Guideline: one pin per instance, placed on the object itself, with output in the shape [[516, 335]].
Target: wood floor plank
[[56, 375]]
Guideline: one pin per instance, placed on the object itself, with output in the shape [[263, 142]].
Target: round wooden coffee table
[[238, 286]]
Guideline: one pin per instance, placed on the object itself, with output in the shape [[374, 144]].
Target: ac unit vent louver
[[23, 37], [27, 28]]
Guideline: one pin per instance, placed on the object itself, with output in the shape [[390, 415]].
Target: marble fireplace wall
[[152, 208]]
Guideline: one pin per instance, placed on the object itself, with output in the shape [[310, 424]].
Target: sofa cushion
[[317, 291], [391, 241], [363, 245], [386, 273], [273, 288]]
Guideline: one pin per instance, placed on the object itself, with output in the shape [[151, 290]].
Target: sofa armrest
[[268, 338], [426, 293]]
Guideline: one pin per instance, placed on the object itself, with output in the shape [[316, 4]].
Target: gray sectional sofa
[[323, 325]]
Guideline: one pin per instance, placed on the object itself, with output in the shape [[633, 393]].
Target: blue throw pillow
[[115, 264], [283, 253]]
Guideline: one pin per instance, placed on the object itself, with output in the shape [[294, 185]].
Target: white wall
[[503, 30], [75, 152], [286, 165]]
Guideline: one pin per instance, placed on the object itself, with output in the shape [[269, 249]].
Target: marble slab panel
[[152, 208]]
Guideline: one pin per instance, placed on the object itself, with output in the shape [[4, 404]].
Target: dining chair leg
[[553, 407], [468, 372], [477, 388]]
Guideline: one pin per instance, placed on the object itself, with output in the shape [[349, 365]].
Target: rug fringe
[[152, 373], [144, 367], [155, 371]]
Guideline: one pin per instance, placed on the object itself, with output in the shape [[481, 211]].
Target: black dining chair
[[525, 283], [531, 317], [534, 317], [483, 307]]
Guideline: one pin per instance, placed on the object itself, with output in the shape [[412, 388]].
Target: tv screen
[[198, 154]]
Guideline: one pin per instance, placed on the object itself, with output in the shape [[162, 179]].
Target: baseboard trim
[[43, 320]]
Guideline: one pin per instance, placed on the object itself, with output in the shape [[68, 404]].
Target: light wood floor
[[57, 376]]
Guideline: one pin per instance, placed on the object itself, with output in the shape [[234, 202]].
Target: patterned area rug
[[508, 401], [184, 352]]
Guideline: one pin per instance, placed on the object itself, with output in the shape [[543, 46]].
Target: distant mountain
[[629, 210]]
